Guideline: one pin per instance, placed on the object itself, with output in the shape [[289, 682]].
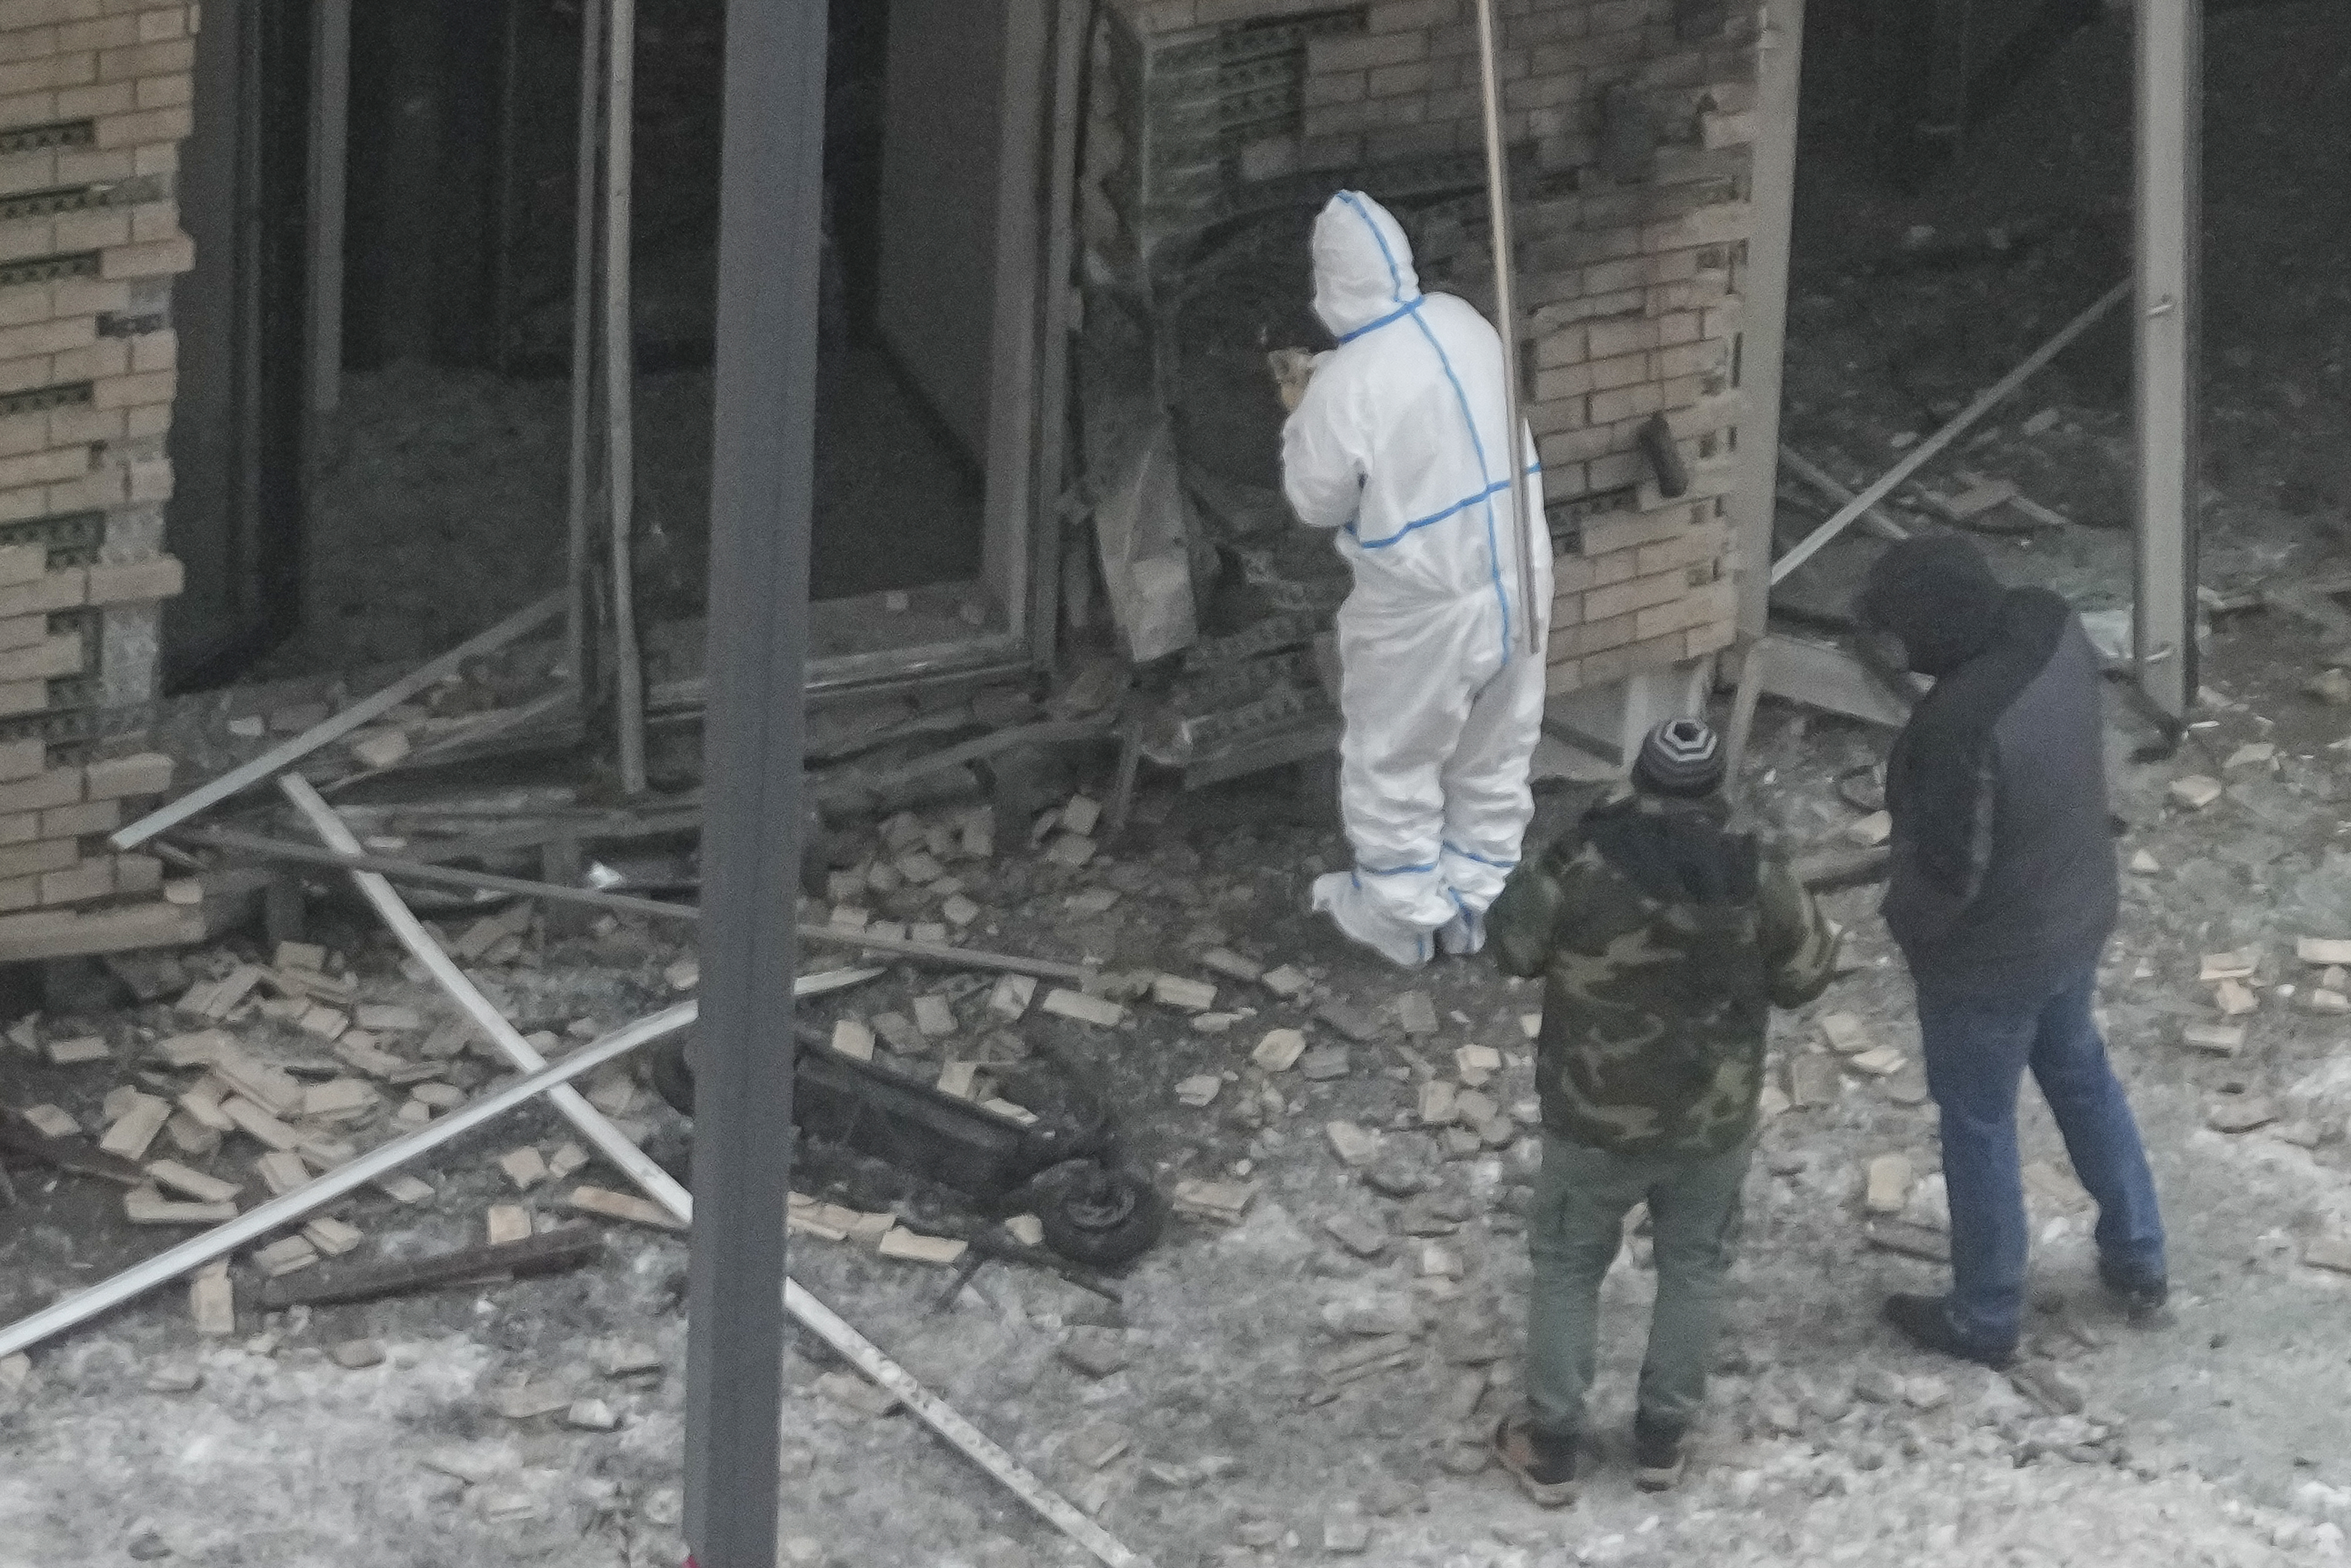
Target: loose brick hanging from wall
[[1629, 289]]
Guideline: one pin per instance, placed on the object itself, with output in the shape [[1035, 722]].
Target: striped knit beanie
[[1681, 757]]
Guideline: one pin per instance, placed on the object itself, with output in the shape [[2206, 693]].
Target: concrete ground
[[2215, 1440]]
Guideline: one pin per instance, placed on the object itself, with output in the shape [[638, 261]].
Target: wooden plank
[[567, 1247]]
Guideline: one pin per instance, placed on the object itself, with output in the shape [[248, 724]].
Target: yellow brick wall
[[1628, 293], [94, 102]]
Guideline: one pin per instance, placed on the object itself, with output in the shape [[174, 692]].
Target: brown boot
[[1543, 1462]]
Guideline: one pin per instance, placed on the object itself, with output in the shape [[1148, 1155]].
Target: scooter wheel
[[1104, 1218], [672, 1070]]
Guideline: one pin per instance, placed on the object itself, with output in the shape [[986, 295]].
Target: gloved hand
[[1292, 368]]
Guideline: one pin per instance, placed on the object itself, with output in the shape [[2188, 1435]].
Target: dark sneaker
[[1657, 1458], [1925, 1321], [2142, 1299], [1543, 1463]]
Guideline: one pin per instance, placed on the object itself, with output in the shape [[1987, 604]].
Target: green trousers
[[1572, 1234]]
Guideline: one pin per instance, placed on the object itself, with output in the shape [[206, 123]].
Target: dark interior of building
[[449, 442]]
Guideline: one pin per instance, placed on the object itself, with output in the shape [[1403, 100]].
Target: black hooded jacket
[[2004, 882]]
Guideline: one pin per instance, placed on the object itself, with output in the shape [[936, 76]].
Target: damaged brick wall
[[1630, 124], [94, 102]]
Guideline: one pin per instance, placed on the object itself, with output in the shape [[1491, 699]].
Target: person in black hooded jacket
[[2003, 893]]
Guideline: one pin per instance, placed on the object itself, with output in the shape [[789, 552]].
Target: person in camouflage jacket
[[1665, 935]]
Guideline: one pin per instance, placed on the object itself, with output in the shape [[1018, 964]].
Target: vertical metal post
[[1761, 352], [761, 494], [330, 101], [583, 340], [1071, 39], [2170, 92], [619, 387], [1506, 322]]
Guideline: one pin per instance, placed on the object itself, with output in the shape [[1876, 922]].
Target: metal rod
[[1926, 450], [620, 388], [1820, 479], [950, 1422], [313, 1196], [278, 758], [255, 844], [1533, 616], [489, 727], [609, 1140], [659, 1185], [1759, 350], [1072, 33], [583, 345], [330, 97], [2168, 55]]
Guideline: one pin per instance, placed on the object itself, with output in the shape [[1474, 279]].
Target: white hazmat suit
[[1397, 444]]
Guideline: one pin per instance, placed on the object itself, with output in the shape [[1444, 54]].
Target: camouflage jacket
[[1665, 936]]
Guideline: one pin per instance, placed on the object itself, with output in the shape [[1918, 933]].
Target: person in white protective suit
[[1397, 446]]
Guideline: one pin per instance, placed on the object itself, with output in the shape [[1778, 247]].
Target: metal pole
[[1762, 340], [1932, 447], [1506, 322], [2170, 73], [762, 477], [583, 344], [610, 1143], [620, 384], [330, 97], [311, 1197]]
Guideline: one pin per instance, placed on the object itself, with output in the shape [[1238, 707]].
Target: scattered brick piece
[[193, 1184], [1889, 1184], [1286, 982], [1010, 999], [1280, 1050], [332, 1237], [212, 1301], [526, 1168], [2195, 791], [1084, 1008], [916, 1248], [611, 1205], [285, 1257]]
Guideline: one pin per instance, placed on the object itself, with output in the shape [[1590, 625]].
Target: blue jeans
[[1976, 1052]]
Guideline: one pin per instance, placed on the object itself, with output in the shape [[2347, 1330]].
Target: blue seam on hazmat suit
[[1486, 494], [1453, 848], [1389, 319], [1485, 469]]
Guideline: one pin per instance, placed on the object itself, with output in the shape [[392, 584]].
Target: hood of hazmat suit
[[1398, 448]]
